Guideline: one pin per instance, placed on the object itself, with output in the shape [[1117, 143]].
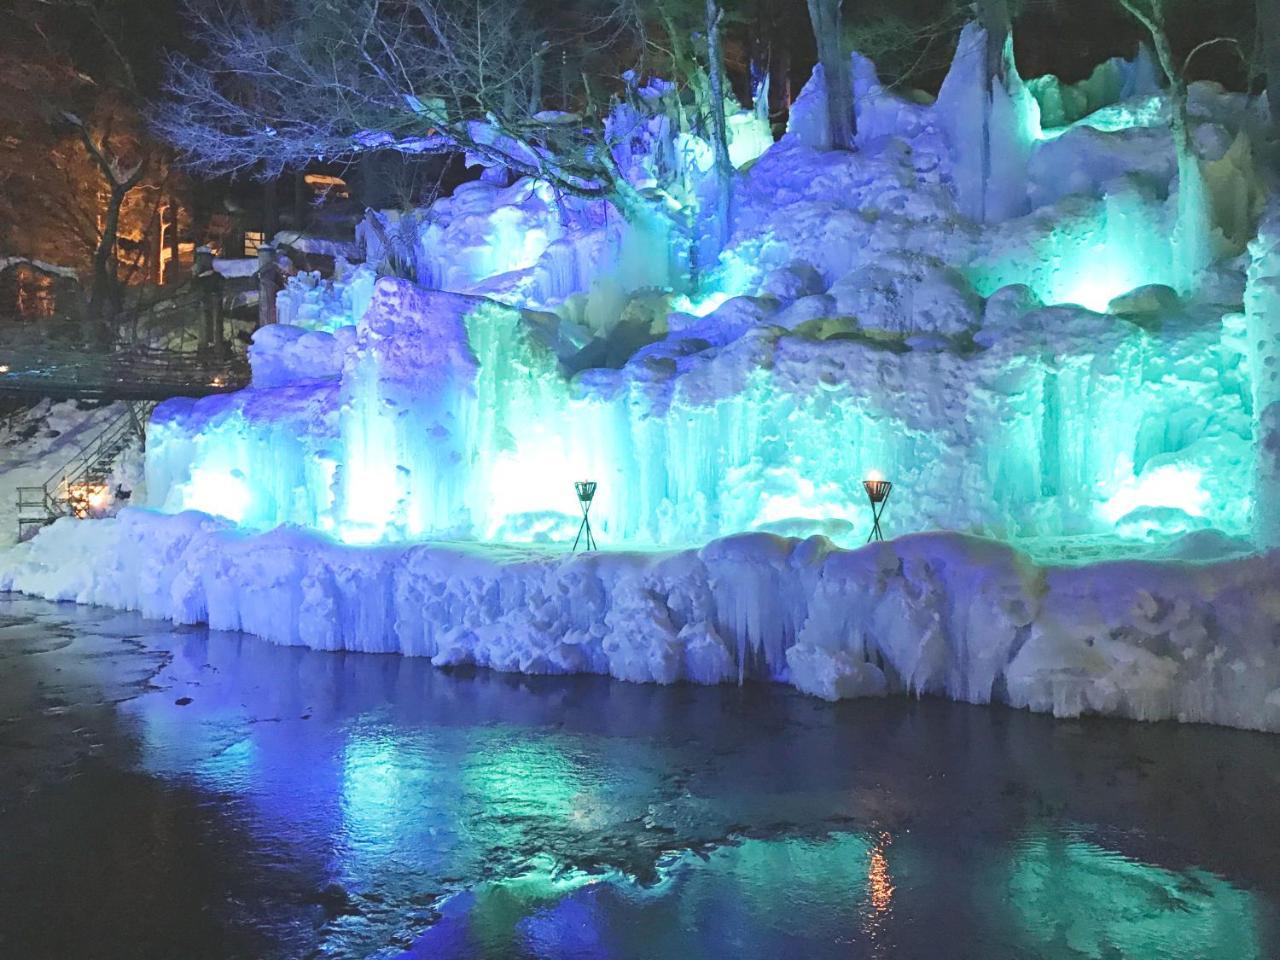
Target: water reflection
[[1058, 899], [338, 805], [1074, 898], [879, 888]]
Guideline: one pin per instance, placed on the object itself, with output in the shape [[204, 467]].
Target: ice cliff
[[942, 614], [1018, 345]]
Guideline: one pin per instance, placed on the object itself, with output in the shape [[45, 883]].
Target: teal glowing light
[[700, 305], [1124, 427], [1105, 248], [1072, 898], [1171, 486], [527, 778], [1134, 114]]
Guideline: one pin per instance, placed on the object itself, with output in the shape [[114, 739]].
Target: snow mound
[[940, 614]]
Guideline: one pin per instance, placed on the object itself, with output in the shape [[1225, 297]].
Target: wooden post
[[208, 285], [268, 284]]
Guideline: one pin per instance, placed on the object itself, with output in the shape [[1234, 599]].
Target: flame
[[874, 476], [88, 499]]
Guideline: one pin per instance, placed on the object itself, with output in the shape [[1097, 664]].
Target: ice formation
[[1021, 344], [859, 320], [944, 614]]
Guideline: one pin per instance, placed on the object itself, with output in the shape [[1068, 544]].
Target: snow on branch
[[328, 81]]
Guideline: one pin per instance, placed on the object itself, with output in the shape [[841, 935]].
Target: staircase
[[81, 488]]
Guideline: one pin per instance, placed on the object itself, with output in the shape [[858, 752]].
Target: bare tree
[[705, 78], [53, 103], [122, 175], [1151, 14], [825, 17], [419, 76], [1194, 221]]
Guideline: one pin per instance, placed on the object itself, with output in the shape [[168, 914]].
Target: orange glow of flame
[[88, 499]]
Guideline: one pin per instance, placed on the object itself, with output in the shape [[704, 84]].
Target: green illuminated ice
[[1039, 354]]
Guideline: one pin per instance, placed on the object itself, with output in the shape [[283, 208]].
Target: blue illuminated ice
[[1055, 347]]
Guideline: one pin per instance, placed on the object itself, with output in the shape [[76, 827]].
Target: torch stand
[[586, 490]]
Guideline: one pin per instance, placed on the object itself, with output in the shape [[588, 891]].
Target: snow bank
[[38, 442], [939, 613]]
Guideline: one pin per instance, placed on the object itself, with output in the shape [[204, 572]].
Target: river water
[[176, 793]]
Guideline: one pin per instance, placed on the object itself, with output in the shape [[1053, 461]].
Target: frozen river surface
[[180, 794]]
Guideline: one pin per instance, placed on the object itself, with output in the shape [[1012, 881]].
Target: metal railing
[[152, 352], [69, 491]]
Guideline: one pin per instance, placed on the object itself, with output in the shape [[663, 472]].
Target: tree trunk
[[566, 82], [103, 292], [155, 245], [1268, 12], [1192, 250], [270, 220], [175, 241], [535, 83], [233, 242], [994, 17], [1154, 22], [824, 16], [299, 201], [719, 127], [268, 284]]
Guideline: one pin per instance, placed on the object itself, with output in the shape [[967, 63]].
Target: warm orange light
[[879, 880], [88, 499]]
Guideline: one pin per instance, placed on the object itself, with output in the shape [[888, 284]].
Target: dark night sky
[[1067, 37]]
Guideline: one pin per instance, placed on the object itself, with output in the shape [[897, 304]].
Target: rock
[[1006, 307], [1144, 301], [792, 282], [804, 310], [909, 293]]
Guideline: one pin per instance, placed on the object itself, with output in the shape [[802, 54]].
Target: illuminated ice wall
[[450, 419], [1057, 373]]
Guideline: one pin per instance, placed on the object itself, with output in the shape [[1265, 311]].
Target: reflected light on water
[[877, 914], [879, 879], [349, 806]]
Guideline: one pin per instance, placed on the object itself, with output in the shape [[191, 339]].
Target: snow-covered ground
[[37, 442]]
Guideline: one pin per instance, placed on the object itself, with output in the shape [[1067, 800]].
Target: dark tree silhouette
[[825, 17]]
